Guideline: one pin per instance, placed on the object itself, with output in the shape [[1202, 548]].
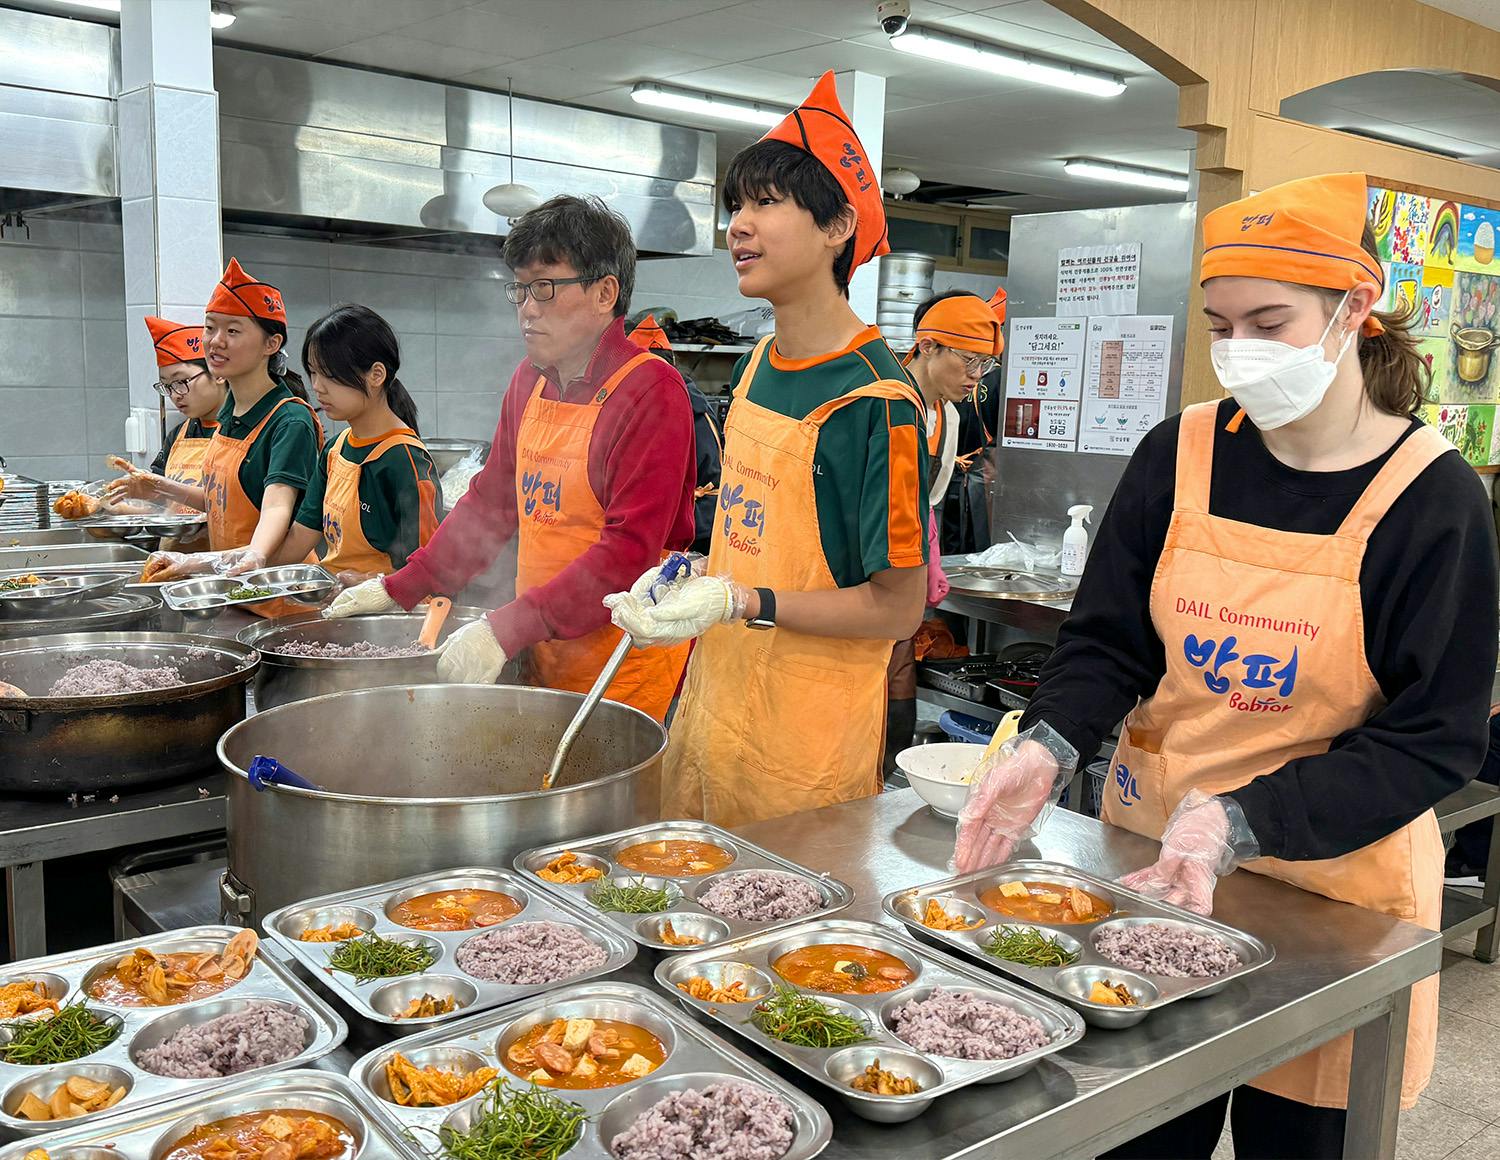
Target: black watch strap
[[766, 617]]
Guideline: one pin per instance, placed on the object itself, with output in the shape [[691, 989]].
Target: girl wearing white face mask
[[1292, 603]]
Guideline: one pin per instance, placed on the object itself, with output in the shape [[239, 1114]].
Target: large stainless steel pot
[[422, 778], [282, 679], [105, 743]]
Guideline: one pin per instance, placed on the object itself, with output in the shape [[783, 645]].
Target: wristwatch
[[766, 617]]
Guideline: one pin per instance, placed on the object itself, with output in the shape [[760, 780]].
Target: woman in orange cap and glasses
[[1292, 603], [265, 449]]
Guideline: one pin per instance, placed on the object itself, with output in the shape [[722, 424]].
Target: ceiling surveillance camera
[[893, 16]]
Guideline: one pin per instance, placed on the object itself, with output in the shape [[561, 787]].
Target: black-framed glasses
[[180, 387], [541, 289], [977, 364]]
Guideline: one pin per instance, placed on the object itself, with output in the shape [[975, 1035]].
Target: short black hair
[[581, 231], [777, 168], [916, 319]]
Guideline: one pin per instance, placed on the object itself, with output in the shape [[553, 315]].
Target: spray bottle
[[1075, 549]]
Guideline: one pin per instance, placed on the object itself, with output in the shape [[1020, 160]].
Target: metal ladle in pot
[[675, 565]]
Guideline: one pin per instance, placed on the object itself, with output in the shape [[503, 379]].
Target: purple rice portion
[[530, 953], [730, 1120], [760, 896], [356, 650], [1156, 948], [964, 1026], [99, 678], [260, 1035]]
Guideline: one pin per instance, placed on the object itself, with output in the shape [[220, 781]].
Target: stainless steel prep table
[[1336, 968]]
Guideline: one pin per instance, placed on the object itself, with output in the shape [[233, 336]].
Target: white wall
[[63, 383]]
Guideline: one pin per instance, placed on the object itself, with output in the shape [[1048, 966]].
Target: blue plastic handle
[[676, 564], [267, 771]]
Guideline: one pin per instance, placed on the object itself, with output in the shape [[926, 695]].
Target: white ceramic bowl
[[940, 773]]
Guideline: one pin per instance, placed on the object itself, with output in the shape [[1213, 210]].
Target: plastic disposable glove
[[1206, 837], [1010, 796], [471, 656], [163, 567], [238, 561], [365, 599], [684, 611], [136, 485], [651, 588]]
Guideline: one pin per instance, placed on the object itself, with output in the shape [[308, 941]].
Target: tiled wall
[[63, 392]]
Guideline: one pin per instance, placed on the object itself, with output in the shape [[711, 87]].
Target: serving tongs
[[676, 564]]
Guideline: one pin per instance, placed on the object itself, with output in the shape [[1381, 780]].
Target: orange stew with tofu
[[842, 968], [146, 978], [1045, 902], [455, 910], [285, 1134], [674, 857], [585, 1053]]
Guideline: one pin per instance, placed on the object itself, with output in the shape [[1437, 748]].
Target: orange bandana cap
[[963, 322], [238, 293], [175, 342], [997, 303], [1305, 231], [648, 335], [821, 127]]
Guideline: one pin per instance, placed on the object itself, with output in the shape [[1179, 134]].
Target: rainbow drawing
[[1443, 244]]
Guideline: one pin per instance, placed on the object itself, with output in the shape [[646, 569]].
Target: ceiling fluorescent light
[[706, 104], [1013, 63], [1125, 174], [1404, 142], [220, 16]]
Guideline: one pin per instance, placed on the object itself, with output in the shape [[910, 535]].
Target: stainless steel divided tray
[[695, 1059], [55, 593], [369, 907], [687, 917], [150, 1133], [304, 583], [68, 978], [959, 896], [751, 961]]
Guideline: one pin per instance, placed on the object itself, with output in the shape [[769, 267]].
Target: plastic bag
[[1016, 554], [455, 481], [1011, 796]]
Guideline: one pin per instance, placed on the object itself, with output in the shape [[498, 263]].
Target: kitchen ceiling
[[947, 124]]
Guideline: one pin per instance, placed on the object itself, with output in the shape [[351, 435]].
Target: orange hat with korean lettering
[[238, 293], [648, 335], [821, 127], [175, 342], [963, 322], [1305, 231]]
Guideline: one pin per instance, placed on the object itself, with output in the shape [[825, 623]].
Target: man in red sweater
[[592, 468]]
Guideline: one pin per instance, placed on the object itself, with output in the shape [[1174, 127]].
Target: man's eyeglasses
[[977, 365], [180, 387], [542, 289]]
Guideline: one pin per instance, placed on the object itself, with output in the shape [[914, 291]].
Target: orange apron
[[231, 515], [560, 518], [185, 465], [343, 530], [1264, 636], [773, 721]]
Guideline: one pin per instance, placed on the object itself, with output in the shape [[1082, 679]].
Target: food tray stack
[[148, 1132], [685, 913], [368, 907], [67, 978], [960, 896], [695, 1059], [752, 961]]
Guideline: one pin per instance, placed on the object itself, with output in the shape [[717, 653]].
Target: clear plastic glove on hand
[[684, 611], [238, 561], [651, 588], [365, 599], [164, 567], [1012, 792], [471, 656], [1206, 837], [136, 485]]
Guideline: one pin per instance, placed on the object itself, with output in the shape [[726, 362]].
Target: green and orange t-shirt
[[870, 481]]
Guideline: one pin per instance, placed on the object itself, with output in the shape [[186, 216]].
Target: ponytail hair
[[346, 342], [278, 365], [1396, 375]]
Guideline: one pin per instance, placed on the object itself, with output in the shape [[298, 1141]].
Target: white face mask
[[1277, 383]]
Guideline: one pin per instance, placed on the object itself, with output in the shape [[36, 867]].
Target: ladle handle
[[586, 710], [437, 612], [265, 772]]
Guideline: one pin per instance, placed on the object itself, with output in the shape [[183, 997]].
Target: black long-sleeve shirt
[[1428, 588]]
